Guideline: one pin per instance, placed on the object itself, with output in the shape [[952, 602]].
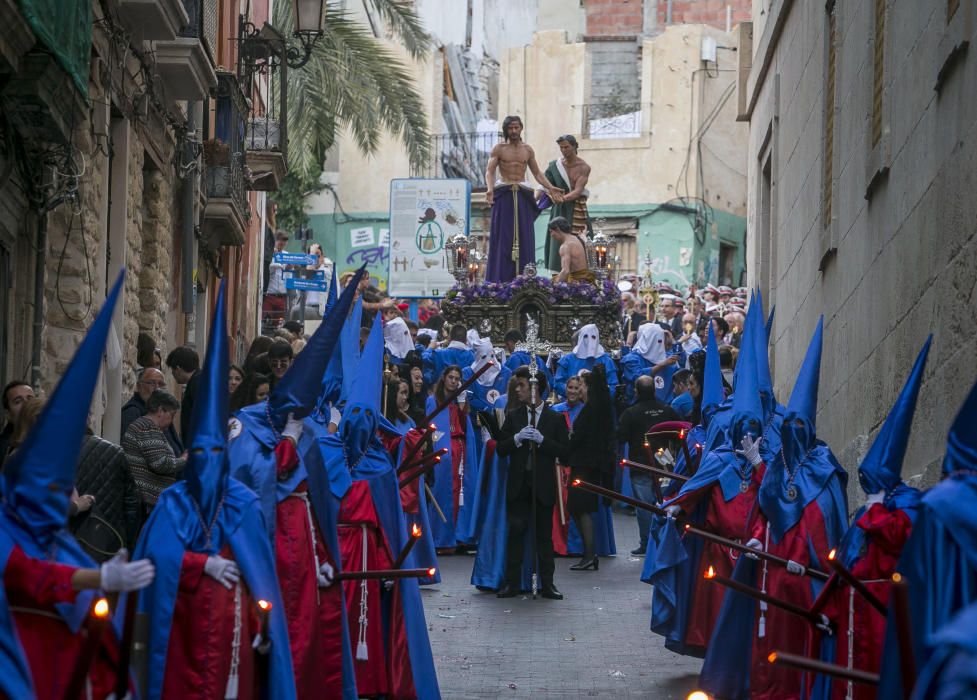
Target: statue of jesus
[[512, 238]]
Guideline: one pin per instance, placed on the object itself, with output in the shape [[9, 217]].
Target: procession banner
[[424, 215]]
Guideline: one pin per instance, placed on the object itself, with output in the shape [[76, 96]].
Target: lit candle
[[264, 610], [97, 622], [415, 534]]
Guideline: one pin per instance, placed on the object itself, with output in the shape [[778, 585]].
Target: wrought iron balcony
[[186, 64], [610, 120], [228, 210], [462, 156]]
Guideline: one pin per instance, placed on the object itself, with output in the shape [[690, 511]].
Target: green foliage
[[290, 200], [353, 80]]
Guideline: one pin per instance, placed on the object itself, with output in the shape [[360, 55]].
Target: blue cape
[[570, 365], [478, 396], [436, 360], [817, 472], [173, 528], [634, 365], [375, 468], [520, 358], [726, 668], [951, 672], [939, 563]]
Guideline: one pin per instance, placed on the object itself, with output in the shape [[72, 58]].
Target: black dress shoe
[[551, 592], [639, 552], [584, 564], [507, 591]]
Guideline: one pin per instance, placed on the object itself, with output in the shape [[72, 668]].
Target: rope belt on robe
[[515, 226], [232, 677], [362, 654], [304, 495]]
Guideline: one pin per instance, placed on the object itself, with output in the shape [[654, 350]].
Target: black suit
[[556, 443]]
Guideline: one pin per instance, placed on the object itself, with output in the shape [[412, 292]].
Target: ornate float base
[[559, 309]]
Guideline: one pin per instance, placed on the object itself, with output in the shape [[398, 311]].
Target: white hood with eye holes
[[588, 342]]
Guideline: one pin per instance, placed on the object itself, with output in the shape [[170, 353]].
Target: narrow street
[[594, 643]]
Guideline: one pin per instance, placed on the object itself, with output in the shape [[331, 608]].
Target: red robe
[[33, 588], [886, 532], [199, 654], [561, 530], [730, 519], [378, 674], [783, 631], [457, 420], [313, 614]]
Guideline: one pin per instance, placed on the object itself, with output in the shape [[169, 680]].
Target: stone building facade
[[862, 170], [103, 170]]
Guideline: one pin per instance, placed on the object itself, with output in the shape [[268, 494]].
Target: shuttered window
[[829, 113], [878, 72]]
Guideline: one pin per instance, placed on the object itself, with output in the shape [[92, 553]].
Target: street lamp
[[310, 18]]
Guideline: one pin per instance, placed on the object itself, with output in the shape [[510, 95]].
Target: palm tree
[[354, 80]]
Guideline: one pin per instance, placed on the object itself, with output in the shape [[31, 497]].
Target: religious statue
[[570, 174], [512, 239]]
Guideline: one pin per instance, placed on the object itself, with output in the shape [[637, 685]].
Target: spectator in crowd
[[147, 354], [634, 424], [734, 321], [27, 414], [280, 356], [151, 460], [148, 380], [254, 389], [235, 377], [276, 296], [726, 365], [15, 394], [184, 363], [114, 515]]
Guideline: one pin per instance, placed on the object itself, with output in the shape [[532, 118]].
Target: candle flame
[[101, 609], [437, 460], [576, 482], [661, 451], [415, 531], [432, 427], [681, 434], [264, 605], [698, 695], [431, 571], [687, 526], [698, 445], [897, 577], [772, 657], [646, 445], [710, 573], [831, 554]]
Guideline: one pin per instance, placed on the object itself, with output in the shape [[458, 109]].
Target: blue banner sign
[[284, 258], [318, 285]]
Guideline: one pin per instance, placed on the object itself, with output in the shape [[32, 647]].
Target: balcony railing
[[227, 209], [611, 120], [462, 156], [203, 16]]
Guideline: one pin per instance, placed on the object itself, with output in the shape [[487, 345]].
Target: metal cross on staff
[[534, 345]]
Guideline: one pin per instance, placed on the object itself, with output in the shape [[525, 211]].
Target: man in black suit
[[531, 426]]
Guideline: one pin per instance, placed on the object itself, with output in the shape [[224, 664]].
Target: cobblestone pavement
[[594, 643]]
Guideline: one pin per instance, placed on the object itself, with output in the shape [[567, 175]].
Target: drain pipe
[[189, 221], [40, 260]]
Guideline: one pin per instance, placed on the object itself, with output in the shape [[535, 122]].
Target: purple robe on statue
[[513, 209]]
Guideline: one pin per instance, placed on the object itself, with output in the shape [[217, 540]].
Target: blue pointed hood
[[761, 346], [333, 293], [361, 415], [746, 347], [712, 383], [207, 466], [349, 343], [881, 468], [39, 477], [747, 409], [961, 442], [798, 434], [296, 392]]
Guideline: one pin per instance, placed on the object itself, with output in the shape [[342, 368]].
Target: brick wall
[[711, 12], [615, 17]]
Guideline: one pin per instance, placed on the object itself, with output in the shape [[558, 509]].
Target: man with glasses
[[148, 380], [280, 358]]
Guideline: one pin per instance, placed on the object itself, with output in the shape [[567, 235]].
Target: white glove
[[260, 644], [293, 428], [335, 416], [535, 436], [326, 575], [794, 568], [875, 498], [665, 458], [825, 625], [754, 544], [524, 435], [119, 574], [222, 570], [463, 398], [751, 450], [672, 511]]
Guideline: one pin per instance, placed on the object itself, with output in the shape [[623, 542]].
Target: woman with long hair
[[417, 393], [254, 389], [396, 403], [592, 458]]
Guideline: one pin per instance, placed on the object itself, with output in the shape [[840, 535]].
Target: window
[[878, 71]]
